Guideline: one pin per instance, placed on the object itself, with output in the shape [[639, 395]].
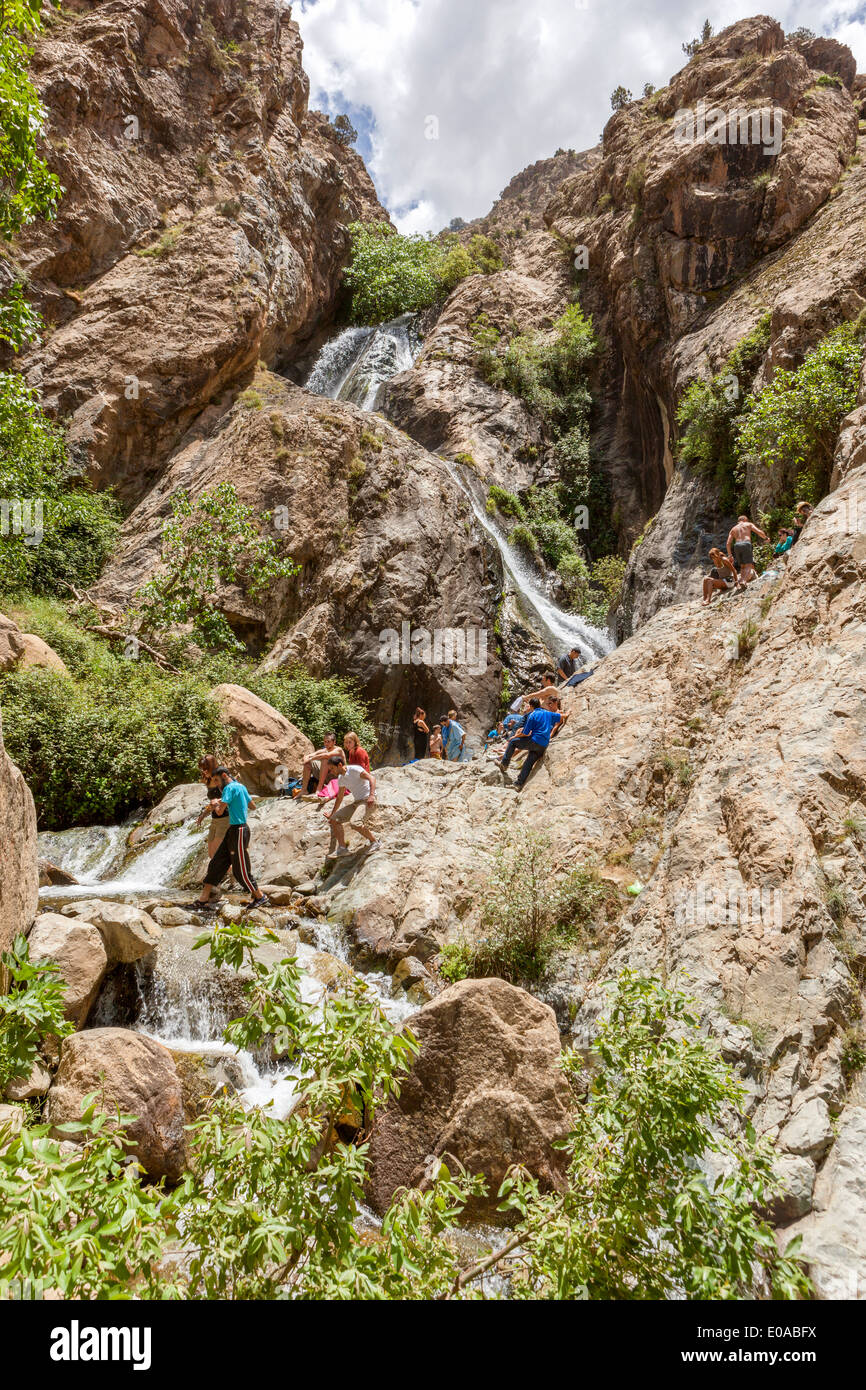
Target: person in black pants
[[233, 853], [534, 737], [420, 733]]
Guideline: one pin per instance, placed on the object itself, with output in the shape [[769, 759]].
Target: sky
[[451, 98]]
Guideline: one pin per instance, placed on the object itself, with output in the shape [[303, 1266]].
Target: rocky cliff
[[19, 872], [202, 226]]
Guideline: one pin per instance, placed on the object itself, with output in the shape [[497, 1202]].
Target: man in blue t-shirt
[[534, 737], [233, 852]]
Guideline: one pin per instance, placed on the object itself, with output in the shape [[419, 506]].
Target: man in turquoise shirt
[[233, 852]]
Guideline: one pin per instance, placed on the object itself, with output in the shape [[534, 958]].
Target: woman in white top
[[361, 786]]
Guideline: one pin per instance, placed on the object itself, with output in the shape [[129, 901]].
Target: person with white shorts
[[360, 786]]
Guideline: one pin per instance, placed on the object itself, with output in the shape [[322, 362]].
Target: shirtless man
[[316, 766], [740, 547]]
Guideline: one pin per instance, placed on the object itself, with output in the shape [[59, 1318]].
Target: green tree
[[206, 543], [620, 97], [691, 48], [345, 131], [390, 274]]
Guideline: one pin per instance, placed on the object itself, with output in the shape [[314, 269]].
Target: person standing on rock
[[420, 733], [233, 853], [435, 749], [740, 547], [219, 820], [313, 776], [535, 738], [361, 787], [453, 737]]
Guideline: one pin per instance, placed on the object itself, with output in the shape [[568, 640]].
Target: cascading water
[[353, 367], [559, 630], [97, 856], [357, 363]]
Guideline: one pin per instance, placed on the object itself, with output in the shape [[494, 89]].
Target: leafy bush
[[120, 733], [94, 750], [390, 274], [500, 499], [77, 527], [528, 912], [32, 1006], [793, 423]]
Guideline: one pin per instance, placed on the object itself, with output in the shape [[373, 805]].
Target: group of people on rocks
[[736, 569], [446, 740], [533, 720]]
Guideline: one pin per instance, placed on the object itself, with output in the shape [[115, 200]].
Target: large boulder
[[134, 1075], [19, 866], [127, 932], [38, 653], [77, 949], [485, 1090], [266, 747]]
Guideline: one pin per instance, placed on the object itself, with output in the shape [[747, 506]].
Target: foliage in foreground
[[32, 1006], [390, 274], [271, 1208]]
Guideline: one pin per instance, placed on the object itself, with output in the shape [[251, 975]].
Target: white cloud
[[508, 81]]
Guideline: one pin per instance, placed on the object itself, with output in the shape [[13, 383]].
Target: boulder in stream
[[77, 949], [133, 1074], [128, 933], [486, 1090]]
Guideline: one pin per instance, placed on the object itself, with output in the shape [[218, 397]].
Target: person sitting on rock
[[420, 733], [361, 787], [233, 853], [567, 665], [740, 548], [535, 738], [435, 749], [355, 755], [453, 737], [784, 541], [721, 578], [313, 776]]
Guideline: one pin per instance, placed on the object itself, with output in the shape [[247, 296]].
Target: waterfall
[[559, 630], [357, 363], [98, 858]]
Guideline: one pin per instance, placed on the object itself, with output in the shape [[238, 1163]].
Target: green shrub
[[500, 499], [793, 423], [528, 912], [94, 750], [78, 527], [32, 1006], [390, 274], [316, 706], [522, 537], [456, 960]]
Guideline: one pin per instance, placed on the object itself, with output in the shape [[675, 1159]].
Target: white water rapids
[[175, 996], [354, 366]]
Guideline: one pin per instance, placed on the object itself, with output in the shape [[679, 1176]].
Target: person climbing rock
[[219, 822], [361, 787], [784, 541], [535, 738], [567, 665], [553, 703], [453, 737], [355, 754], [740, 547], [802, 512], [421, 733], [313, 776], [233, 853], [722, 577]]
